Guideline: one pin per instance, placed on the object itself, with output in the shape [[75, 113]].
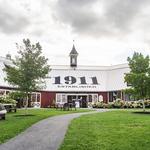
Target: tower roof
[[73, 51]]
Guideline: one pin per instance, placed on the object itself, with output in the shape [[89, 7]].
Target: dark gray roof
[[73, 51]]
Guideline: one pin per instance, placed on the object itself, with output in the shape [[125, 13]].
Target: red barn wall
[[47, 98]]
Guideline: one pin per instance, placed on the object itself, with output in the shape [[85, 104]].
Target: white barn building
[[81, 84]]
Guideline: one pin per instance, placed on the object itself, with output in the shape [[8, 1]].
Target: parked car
[[2, 112]]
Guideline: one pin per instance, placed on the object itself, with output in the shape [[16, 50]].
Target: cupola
[[73, 57]]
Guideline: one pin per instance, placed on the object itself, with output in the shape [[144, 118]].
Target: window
[[73, 60], [2, 92], [33, 97], [64, 99], [38, 97], [95, 98], [7, 92], [58, 98], [110, 96], [90, 98], [100, 98]]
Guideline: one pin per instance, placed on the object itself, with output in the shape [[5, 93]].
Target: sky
[[105, 32]]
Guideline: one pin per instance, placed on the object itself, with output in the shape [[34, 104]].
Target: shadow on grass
[[23, 115], [142, 112]]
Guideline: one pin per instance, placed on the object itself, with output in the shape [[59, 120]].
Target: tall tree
[[138, 77], [29, 68]]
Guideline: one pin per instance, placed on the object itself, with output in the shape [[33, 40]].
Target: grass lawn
[[14, 124], [116, 130]]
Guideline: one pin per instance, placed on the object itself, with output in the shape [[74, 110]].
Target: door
[[83, 101]]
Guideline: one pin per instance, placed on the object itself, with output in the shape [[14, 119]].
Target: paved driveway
[[47, 134]]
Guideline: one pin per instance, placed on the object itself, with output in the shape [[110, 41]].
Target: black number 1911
[[73, 80]]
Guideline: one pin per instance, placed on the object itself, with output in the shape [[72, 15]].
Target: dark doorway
[[83, 101], [71, 98]]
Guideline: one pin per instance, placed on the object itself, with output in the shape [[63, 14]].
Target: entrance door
[[83, 101], [71, 98]]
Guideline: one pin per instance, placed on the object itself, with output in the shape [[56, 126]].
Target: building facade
[[81, 84]]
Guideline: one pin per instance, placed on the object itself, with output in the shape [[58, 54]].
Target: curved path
[[47, 134]]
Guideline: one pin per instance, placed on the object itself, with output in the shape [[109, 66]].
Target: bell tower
[[73, 57]]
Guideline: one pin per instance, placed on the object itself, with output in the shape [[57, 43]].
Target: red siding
[[47, 98], [105, 96]]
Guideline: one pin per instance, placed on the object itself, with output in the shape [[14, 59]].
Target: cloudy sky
[[105, 31]]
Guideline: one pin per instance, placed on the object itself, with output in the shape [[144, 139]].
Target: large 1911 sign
[[71, 80]]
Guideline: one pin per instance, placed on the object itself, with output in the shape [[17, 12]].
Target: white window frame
[[94, 98], [61, 98]]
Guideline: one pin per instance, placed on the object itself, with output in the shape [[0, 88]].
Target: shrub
[[110, 105], [90, 104], [118, 103], [147, 103], [94, 105], [7, 100], [106, 105], [99, 104]]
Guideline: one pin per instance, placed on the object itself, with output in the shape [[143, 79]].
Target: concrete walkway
[[47, 134]]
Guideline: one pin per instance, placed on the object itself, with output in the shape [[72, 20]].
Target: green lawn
[[116, 130], [15, 124]]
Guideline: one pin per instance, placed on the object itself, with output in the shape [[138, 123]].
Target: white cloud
[[105, 32]]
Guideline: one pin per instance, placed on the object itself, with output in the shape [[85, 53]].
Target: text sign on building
[[76, 80], [70, 80]]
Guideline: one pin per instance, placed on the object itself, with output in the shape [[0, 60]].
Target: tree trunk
[[26, 105], [144, 105]]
